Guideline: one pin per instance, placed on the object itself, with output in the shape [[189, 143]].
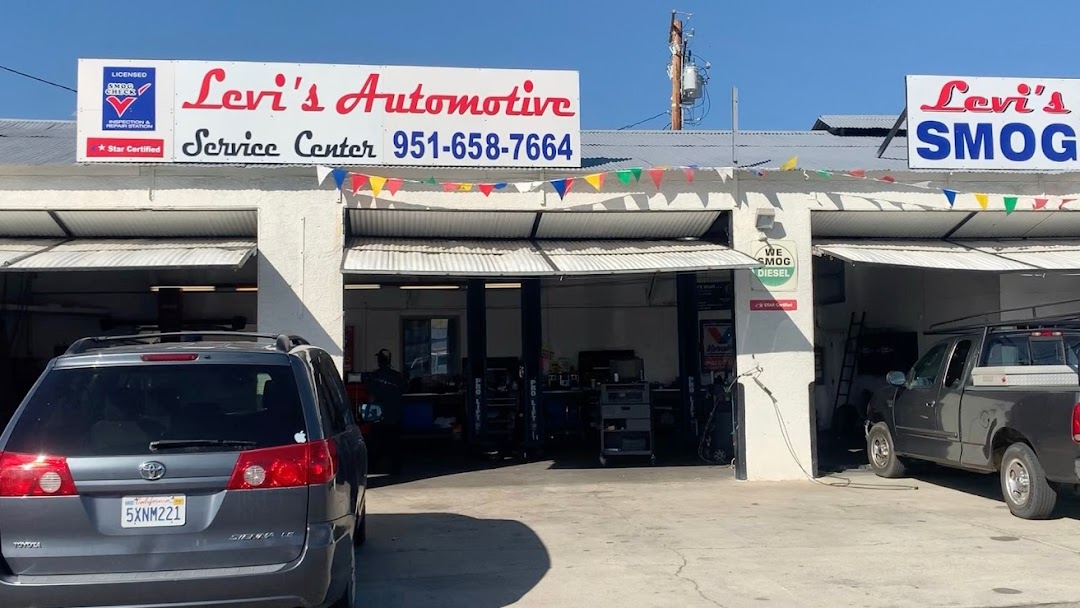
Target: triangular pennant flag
[[450, 186], [726, 173], [761, 173], [790, 164], [1065, 201], [1040, 203], [525, 186], [656, 175], [562, 186], [823, 174], [857, 173], [1010, 204], [393, 185], [321, 172], [377, 184], [466, 187], [596, 180], [624, 176], [921, 185], [983, 199], [486, 188], [432, 181], [339, 176], [636, 171], [950, 195], [500, 185], [689, 173], [358, 182], [888, 178]]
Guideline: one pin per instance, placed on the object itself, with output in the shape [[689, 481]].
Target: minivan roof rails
[[284, 343], [993, 320]]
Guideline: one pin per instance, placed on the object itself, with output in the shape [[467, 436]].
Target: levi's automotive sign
[[249, 113], [993, 123]]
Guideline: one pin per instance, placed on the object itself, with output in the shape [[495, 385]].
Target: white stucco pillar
[[774, 341], [300, 281]]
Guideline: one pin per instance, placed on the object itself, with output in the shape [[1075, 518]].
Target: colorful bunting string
[[562, 185]]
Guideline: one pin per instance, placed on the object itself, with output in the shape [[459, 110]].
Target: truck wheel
[[1023, 482], [882, 452]]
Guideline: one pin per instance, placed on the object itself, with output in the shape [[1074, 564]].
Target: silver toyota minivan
[[186, 469]]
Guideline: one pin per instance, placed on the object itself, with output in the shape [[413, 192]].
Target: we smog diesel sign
[[779, 268]]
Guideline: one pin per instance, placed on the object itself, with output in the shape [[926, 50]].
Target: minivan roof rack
[[284, 343], [993, 320]]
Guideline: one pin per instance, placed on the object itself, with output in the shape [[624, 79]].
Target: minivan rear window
[[115, 411]]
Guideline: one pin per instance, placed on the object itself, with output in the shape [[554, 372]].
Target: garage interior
[[883, 279], [69, 274], [552, 310]]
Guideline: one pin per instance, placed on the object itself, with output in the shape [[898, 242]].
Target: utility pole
[[678, 48]]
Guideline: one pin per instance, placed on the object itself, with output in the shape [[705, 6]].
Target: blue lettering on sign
[[1067, 151], [1016, 141], [983, 138], [1028, 135]]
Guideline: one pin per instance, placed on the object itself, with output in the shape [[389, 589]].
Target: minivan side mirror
[[896, 378], [371, 412]]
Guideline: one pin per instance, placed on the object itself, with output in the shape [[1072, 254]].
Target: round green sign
[[777, 265]]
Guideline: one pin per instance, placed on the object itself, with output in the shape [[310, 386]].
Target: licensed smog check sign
[[278, 113], [958, 122], [778, 270]]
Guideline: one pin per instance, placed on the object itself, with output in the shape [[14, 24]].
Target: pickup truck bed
[[1004, 400]]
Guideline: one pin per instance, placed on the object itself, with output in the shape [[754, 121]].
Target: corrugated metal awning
[[1057, 254], [136, 254], [405, 257], [628, 257], [521, 258], [941, 255], [13, 250]]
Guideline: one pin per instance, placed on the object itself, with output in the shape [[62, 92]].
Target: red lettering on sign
[[954, 97], [417, 102], [232, 99], [109, 147]]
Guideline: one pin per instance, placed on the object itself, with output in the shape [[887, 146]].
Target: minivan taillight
[[287, 466], [1076, 423], [35, 475]]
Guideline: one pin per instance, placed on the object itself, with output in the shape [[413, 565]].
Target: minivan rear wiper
[[179, 444]]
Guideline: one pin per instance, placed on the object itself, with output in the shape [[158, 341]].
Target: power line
[[42, 80], [631, 126]]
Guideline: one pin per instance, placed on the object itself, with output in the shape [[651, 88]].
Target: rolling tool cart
[[625, 421]]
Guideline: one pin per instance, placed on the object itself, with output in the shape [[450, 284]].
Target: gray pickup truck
[[1001, 399]]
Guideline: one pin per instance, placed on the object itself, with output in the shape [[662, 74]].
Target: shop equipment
[[625, 421]]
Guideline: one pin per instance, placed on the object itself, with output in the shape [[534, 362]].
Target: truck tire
[[881, 451], [1024, 485]]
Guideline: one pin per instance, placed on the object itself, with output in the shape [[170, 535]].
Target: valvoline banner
[[1025, 124]]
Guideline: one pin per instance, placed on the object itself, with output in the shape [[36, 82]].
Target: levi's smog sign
[[247, 113], [778, 269], [993, 123]]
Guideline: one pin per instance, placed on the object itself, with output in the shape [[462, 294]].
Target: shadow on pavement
[[422, 462], [443, 559], [988, 486]]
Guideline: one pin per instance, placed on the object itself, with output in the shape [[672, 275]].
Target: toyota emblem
[[152, 471]]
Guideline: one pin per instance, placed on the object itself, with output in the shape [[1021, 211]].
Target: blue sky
[[791, 59]]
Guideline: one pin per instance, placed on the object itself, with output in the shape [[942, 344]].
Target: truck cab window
[[955, 372], [926, 372]]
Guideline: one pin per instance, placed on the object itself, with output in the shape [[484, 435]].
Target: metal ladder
[[849, 363]]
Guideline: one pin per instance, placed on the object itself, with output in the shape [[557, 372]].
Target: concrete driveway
[[532, 535]]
